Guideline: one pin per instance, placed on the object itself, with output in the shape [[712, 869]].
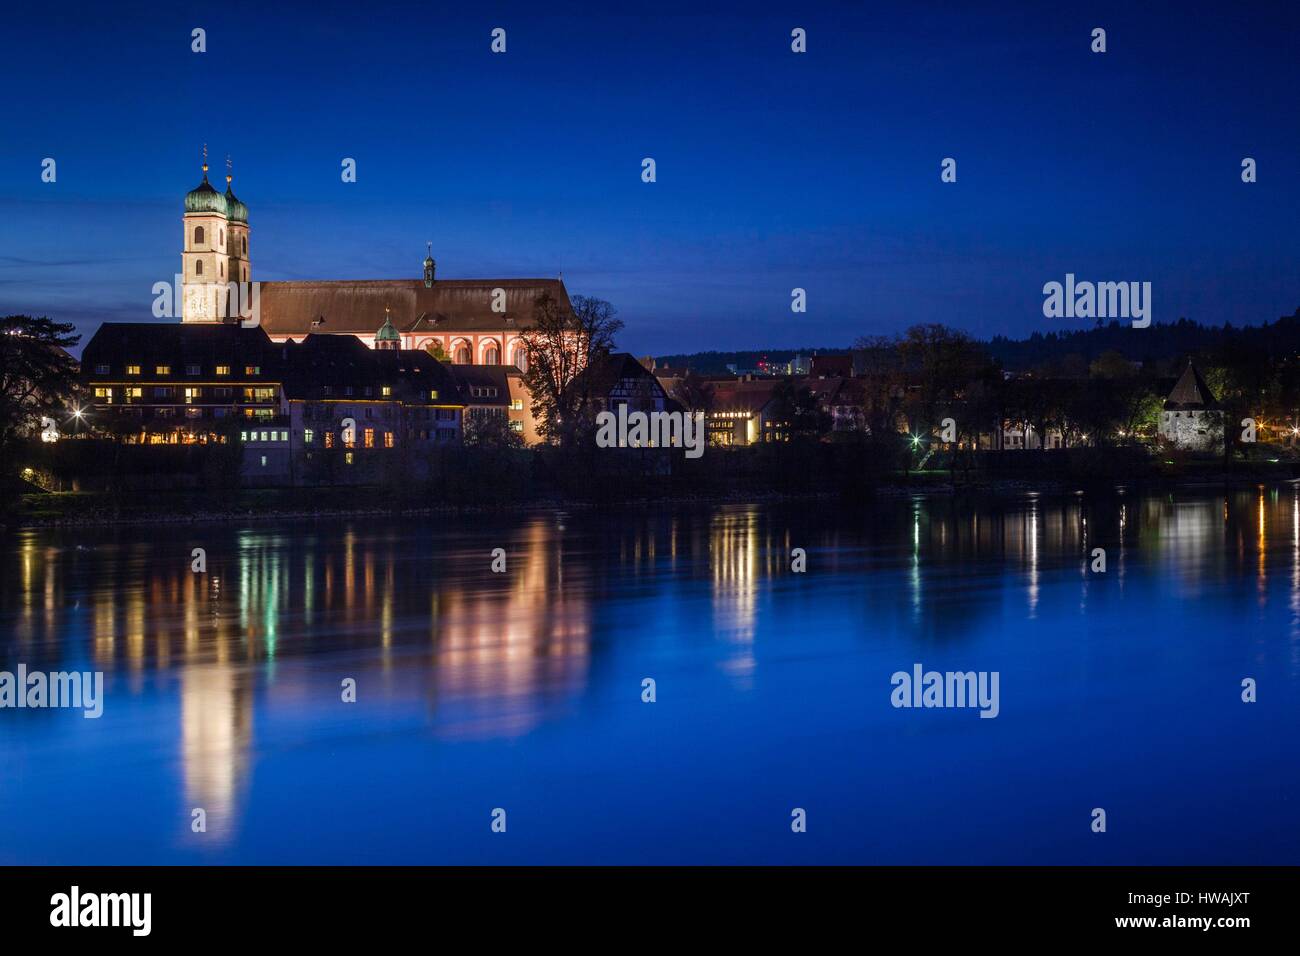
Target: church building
[[472, 321]]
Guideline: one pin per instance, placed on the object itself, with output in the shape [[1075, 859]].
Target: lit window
[[370, 438], [264, 438], [433, 394], [329, 439], [162, 370], [243, 436], [308, 436], [517, 405], [223, 369], [386, 391], [252, 370], [284, 436], [516, 426], [133, 370], [347, 458], [191, 394], [263, 461], [388, 439], [134, 394]]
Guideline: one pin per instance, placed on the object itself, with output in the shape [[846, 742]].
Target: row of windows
[[189, 370], [385, 391]]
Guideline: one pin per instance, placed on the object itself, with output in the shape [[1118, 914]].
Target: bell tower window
[[198, 267], [198, 235]]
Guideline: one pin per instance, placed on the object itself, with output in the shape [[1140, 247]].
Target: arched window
[[244, 242], [198, 235], [520, 360], [223, 238], [491, 356], [462, 355], [198, 267], [221, 269]]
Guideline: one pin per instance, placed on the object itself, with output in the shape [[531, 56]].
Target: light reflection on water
[[223, 688]]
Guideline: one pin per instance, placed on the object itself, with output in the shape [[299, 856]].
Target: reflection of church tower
[[387, 337], [215, 250], [216, 728]]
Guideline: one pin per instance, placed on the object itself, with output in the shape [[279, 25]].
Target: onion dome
[[203, 198], [237, 211]]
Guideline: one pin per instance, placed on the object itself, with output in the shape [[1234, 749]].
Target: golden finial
[[205, 160], [229, 169]]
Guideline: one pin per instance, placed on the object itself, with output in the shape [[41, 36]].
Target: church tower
[[215, 252], [238, 267]]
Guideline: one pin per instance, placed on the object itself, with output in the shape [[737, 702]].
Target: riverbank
[[97, 509]]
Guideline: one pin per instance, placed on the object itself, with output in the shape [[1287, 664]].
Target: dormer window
[[133, 370], [386, 391], [162, 370]]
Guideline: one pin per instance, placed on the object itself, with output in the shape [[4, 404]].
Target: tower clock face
[[200, 303]]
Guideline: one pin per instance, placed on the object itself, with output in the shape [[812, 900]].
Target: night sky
[[775, 170]]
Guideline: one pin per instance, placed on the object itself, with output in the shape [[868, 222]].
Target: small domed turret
[[387, 337], [235, 209]]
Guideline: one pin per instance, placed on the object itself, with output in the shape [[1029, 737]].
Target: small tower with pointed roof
[[1192, 419], [429, 266]]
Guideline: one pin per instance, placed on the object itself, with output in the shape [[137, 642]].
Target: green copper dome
[[387, 333], [238, 212], [203, 198]]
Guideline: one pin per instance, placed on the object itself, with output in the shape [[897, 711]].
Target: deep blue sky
[[775, 170]]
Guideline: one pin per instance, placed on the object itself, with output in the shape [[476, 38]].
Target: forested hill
[[1151, 346]]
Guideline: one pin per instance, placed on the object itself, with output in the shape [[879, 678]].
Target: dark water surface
[[523, 690]]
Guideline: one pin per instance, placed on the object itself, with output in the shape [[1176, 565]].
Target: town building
[[496, 392], [1192, 419], [292, 406]]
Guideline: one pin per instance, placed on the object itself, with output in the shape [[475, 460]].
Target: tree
[[436, 350], [560, 345], [38, 378], [491, 431], [799, 408], [695, 392]]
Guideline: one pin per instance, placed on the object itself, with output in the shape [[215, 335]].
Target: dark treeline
[[715, 363], [1153, 347]]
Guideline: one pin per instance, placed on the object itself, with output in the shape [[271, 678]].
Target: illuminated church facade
[[472, 321]]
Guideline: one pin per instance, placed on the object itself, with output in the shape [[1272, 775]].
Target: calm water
[[522, 690]]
